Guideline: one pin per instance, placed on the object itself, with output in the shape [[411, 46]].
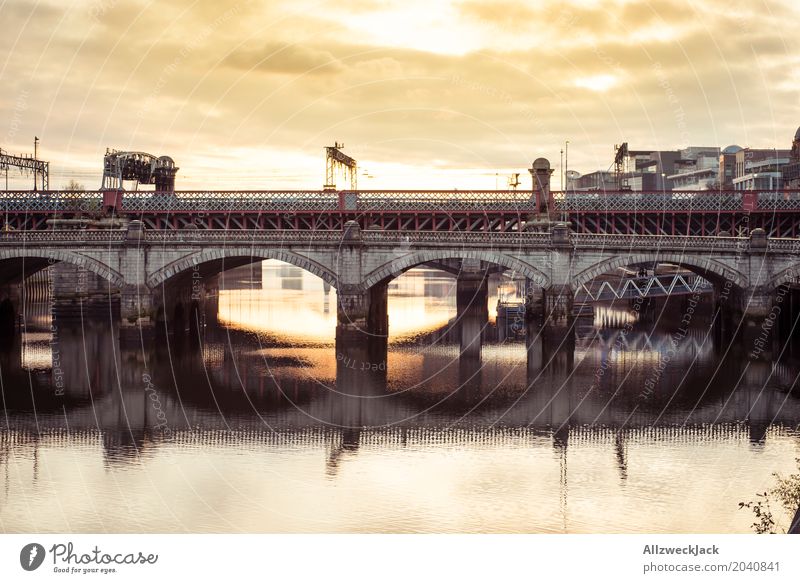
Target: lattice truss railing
[[400, 238], [661, 201], [686, 201], [433, 201], [271, 201], [629, 288], [380, 201]]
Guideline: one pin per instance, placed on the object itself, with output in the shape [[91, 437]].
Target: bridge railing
[[785, 245], [51, 201], [386, 201], [458, 237], [399, 238], [633, 201], [231, 201], [242, 236], [656, 242], [63, 236], [444, 200], [680, 201]]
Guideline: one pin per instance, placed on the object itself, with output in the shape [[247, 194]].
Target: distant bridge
[[643, 287]]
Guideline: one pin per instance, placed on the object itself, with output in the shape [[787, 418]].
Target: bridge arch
[[244, 256], [38, 259], [396, 267], [714, 271], [789, 275]]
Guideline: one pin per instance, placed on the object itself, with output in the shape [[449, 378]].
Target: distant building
[[727, 167], [645, 170], [791, 172], [598, 180], [650, 169], [697, 169], [760, 169]]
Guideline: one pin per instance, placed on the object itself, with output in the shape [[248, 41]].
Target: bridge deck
[[672, 213]]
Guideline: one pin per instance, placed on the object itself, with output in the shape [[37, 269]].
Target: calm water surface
[[267, 422]]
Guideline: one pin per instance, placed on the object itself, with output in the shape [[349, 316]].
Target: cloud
[[465, 84], [284, 58]]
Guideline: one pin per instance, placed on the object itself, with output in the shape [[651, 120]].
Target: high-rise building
[[760, 169], [650, 169], [697, 169], [791, 172], [727, 167]]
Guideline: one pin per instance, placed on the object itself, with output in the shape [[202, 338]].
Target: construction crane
[[140, 167], [620, 162], [513, 181], [30, 164], [336, 160]]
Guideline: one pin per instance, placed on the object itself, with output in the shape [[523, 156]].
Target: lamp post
[[35, 157]]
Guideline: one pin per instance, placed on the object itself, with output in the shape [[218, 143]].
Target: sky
[[424, 94]]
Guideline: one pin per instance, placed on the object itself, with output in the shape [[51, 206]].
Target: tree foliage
[[786, 493]]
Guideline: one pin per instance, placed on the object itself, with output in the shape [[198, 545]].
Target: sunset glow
[[423, 94]]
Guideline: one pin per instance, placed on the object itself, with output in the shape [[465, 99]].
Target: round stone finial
[[541, 164]]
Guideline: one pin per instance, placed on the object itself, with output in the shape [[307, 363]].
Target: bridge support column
[[10, 307], [756, 312], [135, 307], [378, 313], [360, 372], [136, 298], [366, 311], [534, 303], [472, 290], [558, 333], [558, 306], [472, 309], [186, 305], [534, 346]]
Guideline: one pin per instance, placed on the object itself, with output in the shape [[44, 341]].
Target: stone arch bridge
[[149, 268]]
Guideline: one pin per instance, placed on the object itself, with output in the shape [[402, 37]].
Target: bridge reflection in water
[[268, 420]]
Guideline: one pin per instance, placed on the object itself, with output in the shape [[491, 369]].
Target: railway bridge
[[153, 271]]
